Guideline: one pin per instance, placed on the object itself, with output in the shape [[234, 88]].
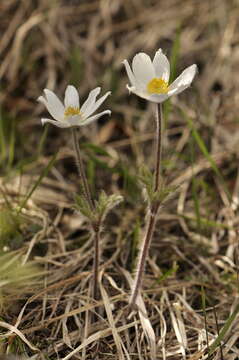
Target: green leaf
[[163, 193], [102, 207], [83, 207], [106, 203], [147, 179]]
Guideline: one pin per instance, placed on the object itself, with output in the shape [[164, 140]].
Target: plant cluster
[[149, 80]]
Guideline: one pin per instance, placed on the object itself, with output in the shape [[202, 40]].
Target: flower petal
[[86, 107], [71, 97], [183, 81], [97, 104], [53, 104], [157, 98], [143, 69], [75, 120], [95, 117], [129, 73], [161, 65], [51, 109], [60, 124]]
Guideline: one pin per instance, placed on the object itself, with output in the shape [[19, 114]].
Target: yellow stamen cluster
[[71, 111], [157, 86]]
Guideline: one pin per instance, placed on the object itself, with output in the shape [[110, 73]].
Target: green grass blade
[[42, 139], [206, 153], [96, 149], [203, 297], [224, 330], [37, 183], [3, 149], [175, 55], [11, 149], [194, 186], [167, 107], [207, 223], [76, 66], [90, 171], [167, 273]]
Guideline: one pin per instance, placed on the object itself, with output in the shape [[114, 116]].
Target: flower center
[[71, 111], [157, 86]]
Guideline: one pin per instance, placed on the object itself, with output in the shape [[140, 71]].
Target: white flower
[[150, 79], [71, 114]]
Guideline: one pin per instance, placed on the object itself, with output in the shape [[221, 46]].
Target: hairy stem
[[83, 178], [153, 212], [158, 118], [142, 257], [96, 263], [88, 197]]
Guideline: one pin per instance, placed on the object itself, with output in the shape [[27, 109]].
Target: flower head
[[71, 114], [150, 79]]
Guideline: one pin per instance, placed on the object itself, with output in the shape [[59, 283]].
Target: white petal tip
[[47, 92], [195, 67], [71, 87], [106, 112], [194, 71], [57, 123], [40, 98]]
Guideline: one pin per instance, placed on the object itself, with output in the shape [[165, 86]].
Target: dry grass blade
[[145, 322], [50, 44], [107, 306], [19, 41], [16, 331], [178, 327], [97, 336]]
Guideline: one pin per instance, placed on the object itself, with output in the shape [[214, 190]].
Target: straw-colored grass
[[190, 289]]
